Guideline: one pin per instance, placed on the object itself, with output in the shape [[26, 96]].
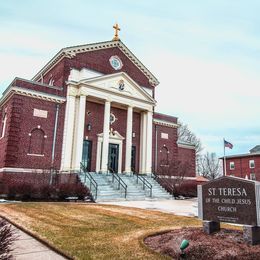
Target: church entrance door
[[86, 154], [113, 153]]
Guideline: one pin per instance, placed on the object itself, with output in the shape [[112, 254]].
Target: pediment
[[119, 84], [71, 52], [112, 135]]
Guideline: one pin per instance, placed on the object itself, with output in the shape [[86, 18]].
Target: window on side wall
[[232, 166], [252, 176], [36, 143], [251, 164]]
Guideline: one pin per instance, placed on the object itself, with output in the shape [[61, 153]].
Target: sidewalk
[[26, 247], [187, 207]]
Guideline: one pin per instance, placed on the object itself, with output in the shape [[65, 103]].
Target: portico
[[116, 90]]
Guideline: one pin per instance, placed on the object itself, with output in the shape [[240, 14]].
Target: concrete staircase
[[108, 188]]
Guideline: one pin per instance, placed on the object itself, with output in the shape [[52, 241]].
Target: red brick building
[[244, 165], [92, 103]]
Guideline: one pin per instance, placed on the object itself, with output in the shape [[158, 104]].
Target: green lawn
[[91, 231]]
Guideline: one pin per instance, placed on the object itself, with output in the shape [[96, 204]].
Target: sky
[[205, 53]]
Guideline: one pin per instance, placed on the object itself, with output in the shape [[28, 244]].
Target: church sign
[[231, 200]]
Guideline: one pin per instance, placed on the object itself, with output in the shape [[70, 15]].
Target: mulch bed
[[226, 244]]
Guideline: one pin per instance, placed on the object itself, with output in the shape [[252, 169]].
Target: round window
[[115, 62]]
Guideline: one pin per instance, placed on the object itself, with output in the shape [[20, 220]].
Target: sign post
[[231, 200]]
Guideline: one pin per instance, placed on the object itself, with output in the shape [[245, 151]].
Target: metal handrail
[[119, 180], [91, 179], [145, 183], [168, 184]]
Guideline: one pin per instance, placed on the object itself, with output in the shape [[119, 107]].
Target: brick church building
[[92, 103]]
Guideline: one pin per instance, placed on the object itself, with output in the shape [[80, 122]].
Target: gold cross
[[116, 27]]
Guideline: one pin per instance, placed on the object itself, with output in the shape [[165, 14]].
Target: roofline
[[240, 155], [186, 145], [229, 177], [166, 115], [70, 52]]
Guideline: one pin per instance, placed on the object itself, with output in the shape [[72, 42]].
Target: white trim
[[79, 132], [113, 139], [126, 77], [149, 141], [251, 160], [91, 87], [68, 133], [186, 146], [71, 52], [22, 170], [105, 143], [4, 125], [165, 123], [176, 177], [34, 154], [32, 93], [129, 137]]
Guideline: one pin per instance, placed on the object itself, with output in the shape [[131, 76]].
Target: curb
[[47, 244]]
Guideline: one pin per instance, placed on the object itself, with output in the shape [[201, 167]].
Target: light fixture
[[89, 126], [183, 246]]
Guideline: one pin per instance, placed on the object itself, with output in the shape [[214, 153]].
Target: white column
[[68, 133], [80, 131], [104, 159], [149, 140], [143, 132], [129, 129]]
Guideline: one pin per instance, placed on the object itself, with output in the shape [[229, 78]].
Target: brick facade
[[17, 150], [21, 123], [188, 157], [241, 166]]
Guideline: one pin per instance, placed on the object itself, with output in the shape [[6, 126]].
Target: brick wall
[[170, 144], [242, 166], [99, 61], [188, 157], [38, 87], [21, 123]]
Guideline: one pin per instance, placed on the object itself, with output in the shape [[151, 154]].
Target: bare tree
[[209, 166], [175, 169], [186, 135]]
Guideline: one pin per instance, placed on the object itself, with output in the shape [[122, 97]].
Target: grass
[[92, 231]]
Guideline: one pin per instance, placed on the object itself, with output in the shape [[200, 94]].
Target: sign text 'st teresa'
[[229, 199], [227, 192]]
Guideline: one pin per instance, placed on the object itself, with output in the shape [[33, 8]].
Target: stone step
[[108, 190]]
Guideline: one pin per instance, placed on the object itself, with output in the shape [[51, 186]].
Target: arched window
[[3, 124], [164, 155], [36, 145]]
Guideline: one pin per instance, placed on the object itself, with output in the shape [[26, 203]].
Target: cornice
[[71, 52], [186, 145], [30, 93], [165, 123]]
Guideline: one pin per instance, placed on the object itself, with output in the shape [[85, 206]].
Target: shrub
[[7, 237], [21, 191], [72, 190], [188, 189]]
